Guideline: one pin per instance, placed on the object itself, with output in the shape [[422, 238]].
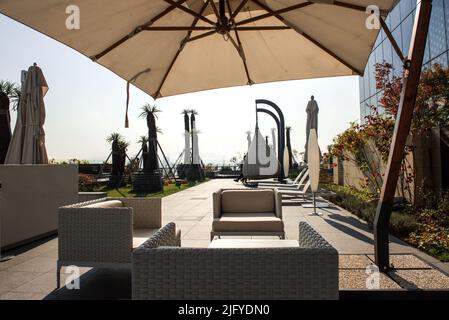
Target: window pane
[[437, 36], [405, 7], [380, 109], [407, 28], [395, 17], [379, 54], [386, 45], [427, 51], [441, 60], [371, 76]]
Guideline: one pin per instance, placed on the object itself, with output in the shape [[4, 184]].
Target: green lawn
[[126, 192]]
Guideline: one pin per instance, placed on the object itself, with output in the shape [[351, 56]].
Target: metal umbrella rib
[[308, 37], [136, 31], [181, 47], [240, 46]]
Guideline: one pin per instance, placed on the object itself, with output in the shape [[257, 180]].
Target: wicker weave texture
[[209, 274], [95, 235], [104, 234]]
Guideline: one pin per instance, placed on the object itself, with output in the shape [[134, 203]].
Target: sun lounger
[[302, 192], [288, 181]]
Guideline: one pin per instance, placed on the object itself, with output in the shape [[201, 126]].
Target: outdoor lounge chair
[[301, 192], [242, 212], [161, 270], [102, 233], [289, 182], [303, 181]]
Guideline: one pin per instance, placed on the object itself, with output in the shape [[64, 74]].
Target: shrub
[[363, 205], [87, 183]]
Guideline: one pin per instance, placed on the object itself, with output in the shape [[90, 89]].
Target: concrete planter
[[30, 196]]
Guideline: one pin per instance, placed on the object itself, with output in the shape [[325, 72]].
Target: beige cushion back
[[251, 201], [106, 204]]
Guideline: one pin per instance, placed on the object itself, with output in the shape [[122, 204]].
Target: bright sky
[[86, 103]]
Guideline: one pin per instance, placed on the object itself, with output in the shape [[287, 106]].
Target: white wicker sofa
[[102, 233], [163, 270], [247, 212]]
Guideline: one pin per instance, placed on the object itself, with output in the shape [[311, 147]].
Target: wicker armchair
[[244, 212], [102, 233], [162, 270]]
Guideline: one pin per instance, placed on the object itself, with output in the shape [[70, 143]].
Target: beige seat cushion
[[238, 222], [142, 235], [253, 243], [247, 201], [106, 204]]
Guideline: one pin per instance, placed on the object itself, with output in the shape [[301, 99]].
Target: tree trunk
[[152, 162], [144, 154], [115, 158]]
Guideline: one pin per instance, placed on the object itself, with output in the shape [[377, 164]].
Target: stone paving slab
[[31, 274]]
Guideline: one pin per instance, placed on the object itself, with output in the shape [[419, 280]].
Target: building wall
[[400, 22]]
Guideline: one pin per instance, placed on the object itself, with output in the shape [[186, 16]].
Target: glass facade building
[[400, 22]]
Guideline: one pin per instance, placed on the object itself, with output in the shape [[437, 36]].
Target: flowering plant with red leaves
[[431, 107]]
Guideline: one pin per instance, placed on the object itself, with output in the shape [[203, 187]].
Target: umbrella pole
[[403, 122]]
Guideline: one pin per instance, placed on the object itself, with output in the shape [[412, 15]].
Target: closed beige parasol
[[28, 141], [169, 47]]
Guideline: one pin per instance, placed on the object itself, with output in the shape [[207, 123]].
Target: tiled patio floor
[[32, 273]]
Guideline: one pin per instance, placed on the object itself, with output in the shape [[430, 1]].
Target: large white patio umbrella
[[28, 140], [169, 47]]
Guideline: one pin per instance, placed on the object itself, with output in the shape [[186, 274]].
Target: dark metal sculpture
[[281, 132]]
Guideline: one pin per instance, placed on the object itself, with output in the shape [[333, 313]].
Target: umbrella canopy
[[312, 123], [315, 160], [168, 47], [28, 141]]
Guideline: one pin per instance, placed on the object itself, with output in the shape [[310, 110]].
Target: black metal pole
[[278, 124], [281, 135]]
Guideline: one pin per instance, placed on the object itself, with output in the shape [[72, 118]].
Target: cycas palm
[[12, 90], [150, 113], [144, 142], [114, 137], [118, 146]]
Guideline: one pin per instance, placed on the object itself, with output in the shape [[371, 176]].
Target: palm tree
[[118, 146], [12, 90], [122, 149], [289, 147], [144, 142], [150, 113]]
